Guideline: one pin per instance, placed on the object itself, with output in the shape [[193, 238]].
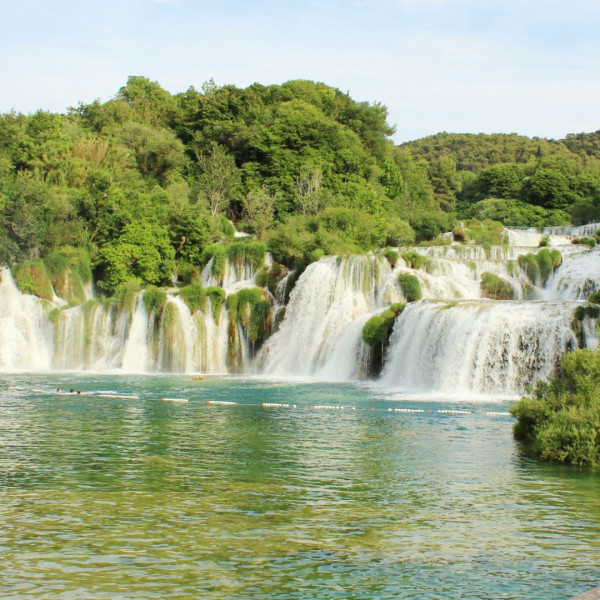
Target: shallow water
[[137, 498]]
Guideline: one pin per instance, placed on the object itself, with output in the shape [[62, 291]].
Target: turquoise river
[[130, 498]]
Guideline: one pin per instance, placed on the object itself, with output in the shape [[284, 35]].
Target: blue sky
[[528, 67]]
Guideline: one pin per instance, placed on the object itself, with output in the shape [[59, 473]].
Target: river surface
[[105, 498]]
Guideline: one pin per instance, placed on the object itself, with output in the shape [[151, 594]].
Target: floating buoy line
[[268, 405]]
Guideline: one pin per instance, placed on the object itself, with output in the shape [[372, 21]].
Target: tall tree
[[219, 179]]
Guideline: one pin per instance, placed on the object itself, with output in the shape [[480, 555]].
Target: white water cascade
[[454, 341]]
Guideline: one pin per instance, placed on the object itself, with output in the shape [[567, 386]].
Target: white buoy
[[180, 400], [221, 403]]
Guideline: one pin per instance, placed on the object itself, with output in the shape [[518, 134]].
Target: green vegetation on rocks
[[560, 419], [496, 288], [31, 277], [410, 286], [376, 333], [413, 259]]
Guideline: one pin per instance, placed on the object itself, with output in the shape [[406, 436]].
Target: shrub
[[391, 256], [413, 259], [495, 287], [411, 287], [218, 253], [594, 298], [376, 334], [31, 277], [585, 241], [560, 420], [216, 296], [261, 278], [544, 240], [194, 295], [316, 255]]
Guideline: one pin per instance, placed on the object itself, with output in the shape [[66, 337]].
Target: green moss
[[449, 305], [495, 287], [217, 298], [124, 296], [594, 298], [261, 278], [585, 241], [275, 274], [251, 308], [53, 315], [411, 287], [154, 299], [194, 295], [253, 252], [538, 267], [31, 277], [556, 257], [374, 330], [169, 317], [529, 264], [69, 270], [545, 240], [413, 259], [218, 253], [316, 255], [391, 256], [512, 267], [587, 310]]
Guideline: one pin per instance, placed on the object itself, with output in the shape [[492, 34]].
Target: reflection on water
[[117, 498]]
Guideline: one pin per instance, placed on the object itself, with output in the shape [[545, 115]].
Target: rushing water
[[138, 498]]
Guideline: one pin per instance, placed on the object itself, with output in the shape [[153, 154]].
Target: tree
[[142, 253], [308, 188], [259, 207], [219, 178]]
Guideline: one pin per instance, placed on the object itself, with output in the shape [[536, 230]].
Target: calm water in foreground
[[122, 498]]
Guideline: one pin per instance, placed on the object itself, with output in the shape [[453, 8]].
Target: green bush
[[594, 298], [413, 259], [31, 277], [124, 295], [587, 310], [495, 287], [560, 420], [217, 299], [218, 253], [585, 241], [194, 295], [411, 287], [316, 255], [261, 278], [391, 256]]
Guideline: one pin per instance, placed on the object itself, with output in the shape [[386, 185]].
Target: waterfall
[[329, 297], [26, 333], [452, 341], [485, 347], [135, 353]]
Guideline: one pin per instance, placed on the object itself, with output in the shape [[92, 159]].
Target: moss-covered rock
[[496, 288], [31, 277], [410, 286]]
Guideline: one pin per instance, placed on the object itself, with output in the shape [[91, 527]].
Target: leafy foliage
[[560, 420], [411, 287], [496, 288]]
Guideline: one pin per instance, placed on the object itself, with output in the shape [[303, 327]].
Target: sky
[[464, 66]]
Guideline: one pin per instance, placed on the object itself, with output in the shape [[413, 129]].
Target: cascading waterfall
[[325, 305], [452, 341], [477, 346], [26, 333]]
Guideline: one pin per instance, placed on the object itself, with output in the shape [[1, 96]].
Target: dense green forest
[[145, 184]]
